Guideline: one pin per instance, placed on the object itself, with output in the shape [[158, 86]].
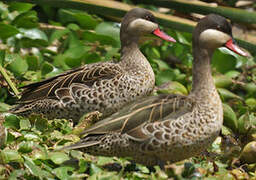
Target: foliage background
[[40, 41]]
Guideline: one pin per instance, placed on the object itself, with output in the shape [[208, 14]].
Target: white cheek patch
[[214, 38], [142, 25]]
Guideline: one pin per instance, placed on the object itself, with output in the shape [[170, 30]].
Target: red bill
[[162, 35], [235, 48]]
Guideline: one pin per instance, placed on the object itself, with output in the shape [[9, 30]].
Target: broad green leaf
[[165, 76], [223, 62], [181, 38], [85, 20], [18, 65], [104, 160], [94, 169], [91, 58], [25, 147], [226, 94], [58, 157], [251, 102], [161, 64], [41, 124], [83, 165], [250, 88], [26, 20], [30, 136], [63, 172], [32, 38], [230, 119], [8, 155], [240, 60], [20, 7], [25, 124], [173, 87], [58, 34], [33, 62], [243, 123], [222, 81], [35, 170], [109, 29], [232, 74], [16, 174], [4, 107], [46, 68], [7, 30], [248, 154], [103, 39], [12, 121]]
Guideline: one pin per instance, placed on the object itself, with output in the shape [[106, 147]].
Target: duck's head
[[214, 31], [138, 22]]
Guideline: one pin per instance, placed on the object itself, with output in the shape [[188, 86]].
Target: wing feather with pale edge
[[85, 75], [146, 110]]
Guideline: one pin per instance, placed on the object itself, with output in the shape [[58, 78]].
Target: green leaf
[[232, 74], [33, 62], [7, 31], [251, 102], [165, 76], [32, 38], [173, 87], [8, 155], [35, 170], [91, 58], [2, 56], [109, 29], [226, 94], [223, 62], [25, 147], [20, 7], [18, 65], [243, 123], [103, 39], [46, 68], [94, 169], [58, 34], [16, 174], [25, 124], [250, 88], [12, 121], [41, 124], [63, 172], [222, 81], [230, 119], [26, 20], [83, 166], [161, 64], [58, 157], [4, 107]]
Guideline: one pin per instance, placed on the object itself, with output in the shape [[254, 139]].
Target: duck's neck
[[202, 84], [133, 60]]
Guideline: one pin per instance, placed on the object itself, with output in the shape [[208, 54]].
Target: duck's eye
[[147, 17]]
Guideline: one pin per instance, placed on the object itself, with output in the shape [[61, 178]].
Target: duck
[[168, 127], [104, 87]]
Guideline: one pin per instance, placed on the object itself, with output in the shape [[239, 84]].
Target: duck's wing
[[85, 75], [144, 111]]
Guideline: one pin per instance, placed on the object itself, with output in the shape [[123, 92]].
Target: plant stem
[[9, 82]]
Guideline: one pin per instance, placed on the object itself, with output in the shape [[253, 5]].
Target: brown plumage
[[105, 86], [171, 128]]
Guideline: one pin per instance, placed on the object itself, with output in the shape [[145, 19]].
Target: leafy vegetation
[[38, 42]]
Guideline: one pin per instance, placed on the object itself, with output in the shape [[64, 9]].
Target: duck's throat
[[202, 83]]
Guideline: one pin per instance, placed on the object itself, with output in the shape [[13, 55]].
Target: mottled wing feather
[[146, 110], [85, 75]]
